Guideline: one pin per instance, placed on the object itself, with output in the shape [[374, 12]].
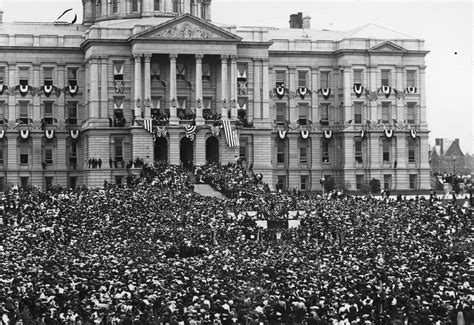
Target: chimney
[[307, 22], [296, 21]]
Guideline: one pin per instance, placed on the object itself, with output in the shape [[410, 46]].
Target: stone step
[[207, 190]]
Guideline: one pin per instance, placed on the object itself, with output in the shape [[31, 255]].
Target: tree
[[374, 185]]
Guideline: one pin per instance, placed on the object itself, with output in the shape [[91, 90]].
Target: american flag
[[148, 125], [399, 94], [190, 132], [229, 134], [372, 95]]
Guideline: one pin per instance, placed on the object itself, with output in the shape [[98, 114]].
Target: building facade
[[147, 80]]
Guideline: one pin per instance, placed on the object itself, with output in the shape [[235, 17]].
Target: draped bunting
[[74, 134], [161, 131], [305, 134], [413, 134], [282, 134], [280, 91], [24, 134], [326, 92], [363, 134], [49, 134], [388, 133], [2, 134], [23, 89], [386, 90], [118, 103], [241, 72], [230, 136], [118, 77], [148, 125], [47, 90], [72, 88], [303, 91], [190, 132], [328, 134], [358, 89], [2, 89], [410, 90]]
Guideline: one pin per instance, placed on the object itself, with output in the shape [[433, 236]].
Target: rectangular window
[[206, 73], [72, 76], [386, 112], [280, 113], [24, 76], [2, 185], [118, 180], [411, 112], [385, 77], [358, 76], [359, 181], [180, 71], [72, 181], [387, 182], [156, 5], [325, 79], [243, 151], [2, 75], [48, 113], [304, 182], [324, 114], [24, 112], [24, 152], [281, 182], [2, 111], [1, 152], [303, 110], [411, 151], [302, 78], [48, 182], [72, 113], [325, 151], [134, 5], [24, 182], [118, 149], [73, 152], [280, 152], [115, 6], [357, 113], [303, 153], [280, 77], [48, 154], [358, 150], [386, 150], [413, 181], [48, 76], [411, 81]]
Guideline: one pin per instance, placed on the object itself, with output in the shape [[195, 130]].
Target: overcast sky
[[446, 26]]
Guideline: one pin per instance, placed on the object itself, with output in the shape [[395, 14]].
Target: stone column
[[257, 100], [224, 87], [265, 90], [199, 8], [138, 86], [400, 107], [36, 104], [173, 90], [422, 91], [61, 100], [147, 85], [346, 75], [94, 88], [292, 84], [104, 93], [199, 118], [315, 112], [12, 111], [372, 71], [233, 87]]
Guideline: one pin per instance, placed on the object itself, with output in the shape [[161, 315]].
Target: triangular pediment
[[387, 46], [186, 27]]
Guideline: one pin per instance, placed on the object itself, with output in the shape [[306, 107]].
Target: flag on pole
[[148, 125], [229, 134]]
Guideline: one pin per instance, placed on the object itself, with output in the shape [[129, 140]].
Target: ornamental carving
[[186, 30]]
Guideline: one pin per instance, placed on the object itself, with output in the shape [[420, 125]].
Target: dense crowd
[[155, 252]]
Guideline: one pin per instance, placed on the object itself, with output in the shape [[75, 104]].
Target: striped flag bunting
[[49, 134], [282, 134], [358, 89], [305, 134], [326, 92], [410, 90], [235, 137], [148, 125], [2, 134], [328, 134], [413, 134], [74, 134], [190, 132], [229, 135], [388, 133], [363, 134], [386, 90], [24, 134]]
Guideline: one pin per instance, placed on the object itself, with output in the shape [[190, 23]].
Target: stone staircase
[[207, 190]]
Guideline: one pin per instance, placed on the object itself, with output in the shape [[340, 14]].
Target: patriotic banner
[[2, 134], [190, 132], [326, 92], [2, 89], [305, 134], [303, 91], [358, 89], [386, 90], [280, 91], [388, 133], [118, 77], [72, 88], [363, 134], [49, 134], [229, 135], [328, 134], [410, 90], [23, 89], [47, 90], [148, 125], [372, 95], [118, 84], [413, 134], [74, 134], [216, 130], [282, 134], [399, 94], [235, 137], [24, 134], [161, 131]]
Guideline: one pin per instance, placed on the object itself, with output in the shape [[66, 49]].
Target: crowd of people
[[154, 252]]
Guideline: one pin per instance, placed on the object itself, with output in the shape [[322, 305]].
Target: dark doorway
[[186, 153], [212, 150], [161, 149]]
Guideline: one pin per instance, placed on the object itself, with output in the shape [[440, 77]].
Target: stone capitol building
[[156, 80]]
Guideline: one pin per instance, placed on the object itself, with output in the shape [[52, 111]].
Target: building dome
[[101, 10]]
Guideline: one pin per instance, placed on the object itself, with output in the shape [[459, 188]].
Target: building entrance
[[212, 150], [186, 152], [161, 149]]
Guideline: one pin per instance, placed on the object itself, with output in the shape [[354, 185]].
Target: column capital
[[173, 56], [147, 56], [199, 56], [137, 56], [224, 57], [93, 59], [233, 57]]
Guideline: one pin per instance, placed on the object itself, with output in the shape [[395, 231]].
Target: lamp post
[[322, 181]]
